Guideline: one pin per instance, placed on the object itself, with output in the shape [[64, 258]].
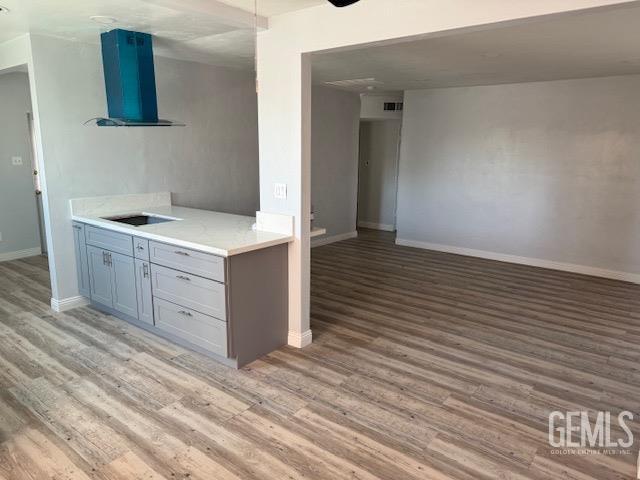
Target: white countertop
[[203, 230]]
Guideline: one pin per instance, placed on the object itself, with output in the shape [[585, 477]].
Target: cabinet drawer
[[186, 260], [108, 240], [200, 294], [201, 330], [141, 248]]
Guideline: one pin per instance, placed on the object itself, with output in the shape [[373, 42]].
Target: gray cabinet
[[194, 327], [191, 291], [112, 278], [187, 260], [141, 248], [143, 290], [234, 309], [123, 284], [82, 262], [108, 240], [100, 276]]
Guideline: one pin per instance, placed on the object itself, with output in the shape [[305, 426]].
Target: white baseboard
[[377, 226], [68, 303], [300, 340], [532, 262], [333, 239], [29, 252]]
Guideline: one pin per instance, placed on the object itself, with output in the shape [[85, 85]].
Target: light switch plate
[[280, 191], [16, 160]]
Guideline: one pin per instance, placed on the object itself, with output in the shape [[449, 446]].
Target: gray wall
[[334, 159], [18, 213], [378, 173], [373, 106], [212, 163], [544, 170]]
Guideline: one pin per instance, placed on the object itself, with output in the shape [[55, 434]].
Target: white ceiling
[[269, 8], [219, 32], [19, 68], [590, 44]]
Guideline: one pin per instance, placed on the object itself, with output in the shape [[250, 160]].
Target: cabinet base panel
[[258, 302]]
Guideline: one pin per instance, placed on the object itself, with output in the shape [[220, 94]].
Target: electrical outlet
[[16, 160], [280, 191]]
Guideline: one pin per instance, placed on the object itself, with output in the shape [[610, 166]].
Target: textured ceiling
[[268, 8], [220, 32], [587, 44]]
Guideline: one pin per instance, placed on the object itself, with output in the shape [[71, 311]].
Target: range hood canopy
[[130, 81]]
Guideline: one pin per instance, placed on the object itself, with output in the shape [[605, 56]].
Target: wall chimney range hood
[[130, 81]]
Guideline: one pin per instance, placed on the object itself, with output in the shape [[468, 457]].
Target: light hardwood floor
[[425, 366]]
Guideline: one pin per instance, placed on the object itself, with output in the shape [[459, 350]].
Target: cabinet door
[[82, 261], [143, 288], [123, 278], [100, 276]]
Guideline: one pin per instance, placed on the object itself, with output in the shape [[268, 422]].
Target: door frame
[[37, 184], [396, 172]]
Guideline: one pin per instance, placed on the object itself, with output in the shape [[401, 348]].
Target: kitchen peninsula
[[210, 281]]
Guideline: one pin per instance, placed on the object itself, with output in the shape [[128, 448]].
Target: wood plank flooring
[[425, 366]]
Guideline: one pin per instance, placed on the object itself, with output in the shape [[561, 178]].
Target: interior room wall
[[334, 161], [378, 174], [544, 173], [284, 75], [373, 106], [19, 234], [211, 163]]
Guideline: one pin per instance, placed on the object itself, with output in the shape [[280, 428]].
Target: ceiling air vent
[[355, 83], [393, 106]]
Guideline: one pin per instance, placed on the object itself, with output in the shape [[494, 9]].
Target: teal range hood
[[130, 81]]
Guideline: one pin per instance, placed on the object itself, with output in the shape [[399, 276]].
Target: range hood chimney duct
[[130, 81]]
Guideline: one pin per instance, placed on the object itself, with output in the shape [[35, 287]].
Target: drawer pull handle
[[140, 247], [145, 270], [182, 277], [185, 313], [184, 254]]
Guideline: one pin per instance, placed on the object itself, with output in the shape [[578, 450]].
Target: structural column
[[284, 111]]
